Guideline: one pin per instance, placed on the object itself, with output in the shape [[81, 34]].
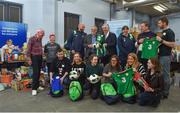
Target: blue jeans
[[165, 62]]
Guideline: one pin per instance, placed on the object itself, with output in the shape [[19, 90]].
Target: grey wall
[[49, 14], [139, 17], [135, 17], [38, 14], [88, 11]]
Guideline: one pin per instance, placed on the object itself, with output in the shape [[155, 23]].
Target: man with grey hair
[[110, 43], [34, 56], [89, 41]]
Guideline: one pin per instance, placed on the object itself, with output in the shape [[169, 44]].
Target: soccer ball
[[74, 75], [94, 78], [96, 45]]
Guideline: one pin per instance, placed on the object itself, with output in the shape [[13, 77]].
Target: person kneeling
[[60, 67], [93, 74], [152, 94]]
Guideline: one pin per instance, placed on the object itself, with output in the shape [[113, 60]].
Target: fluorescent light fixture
[[158, 8], [161, 8], [138, 1]]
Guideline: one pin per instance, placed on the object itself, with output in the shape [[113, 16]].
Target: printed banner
[[17, 32]]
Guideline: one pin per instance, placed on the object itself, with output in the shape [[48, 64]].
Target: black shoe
[[155, 103], [164, 97]]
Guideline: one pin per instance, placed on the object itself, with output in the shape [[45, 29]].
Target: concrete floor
[[11, 100]]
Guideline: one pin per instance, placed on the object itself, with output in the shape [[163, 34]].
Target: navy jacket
[[76, 41], [126, 45]]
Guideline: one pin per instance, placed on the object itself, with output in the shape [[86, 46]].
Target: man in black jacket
[[110, 43]]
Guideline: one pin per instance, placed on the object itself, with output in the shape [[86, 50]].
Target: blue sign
[[17, 32]]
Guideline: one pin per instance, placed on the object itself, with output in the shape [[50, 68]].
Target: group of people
[[97, 54]]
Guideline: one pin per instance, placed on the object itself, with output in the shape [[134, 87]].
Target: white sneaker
[[34, 92], [40, 88]]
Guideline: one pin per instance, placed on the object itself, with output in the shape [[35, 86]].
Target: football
[[96, 45], [73, 75], [94, 78]]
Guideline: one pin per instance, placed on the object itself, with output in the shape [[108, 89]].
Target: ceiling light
[[164, 7], [161, 8], [138, 1], [158, 8]]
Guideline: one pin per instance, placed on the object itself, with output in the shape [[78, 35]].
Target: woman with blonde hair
[[79, 66], [132, 62]]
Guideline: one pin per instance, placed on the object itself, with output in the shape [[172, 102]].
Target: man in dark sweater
[[167, 41], [146, 32]]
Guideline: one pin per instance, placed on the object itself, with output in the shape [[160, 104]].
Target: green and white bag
[[109, 94], [75, 91]]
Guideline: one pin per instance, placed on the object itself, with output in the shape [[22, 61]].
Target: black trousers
[[105, 60], [49, 67], [148, 98], [36, 65], [94, 89]]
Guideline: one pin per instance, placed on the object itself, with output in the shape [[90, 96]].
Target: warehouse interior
[[60, 17]]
